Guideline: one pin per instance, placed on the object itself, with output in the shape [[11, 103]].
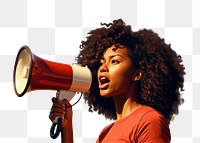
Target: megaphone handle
[[61, 94], [54, 134]]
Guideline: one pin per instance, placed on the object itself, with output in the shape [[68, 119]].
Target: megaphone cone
[[34, 73]]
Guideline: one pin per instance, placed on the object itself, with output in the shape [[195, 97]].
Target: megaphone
[[34, 73]]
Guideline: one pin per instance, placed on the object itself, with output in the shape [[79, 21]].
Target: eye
[[115, 61]]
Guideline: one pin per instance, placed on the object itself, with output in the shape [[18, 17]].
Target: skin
[[63, 109], [117, 79], [118, 69]]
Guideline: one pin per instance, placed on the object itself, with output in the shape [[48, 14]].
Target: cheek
[[123, 72], [122, 76], [120, 84]]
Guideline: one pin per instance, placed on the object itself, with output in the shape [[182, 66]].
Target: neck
[[125, 104]]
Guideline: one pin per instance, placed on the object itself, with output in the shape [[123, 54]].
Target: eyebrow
[[112, 56]]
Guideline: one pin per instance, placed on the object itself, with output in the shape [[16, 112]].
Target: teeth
[[104, 82], [103, 78]]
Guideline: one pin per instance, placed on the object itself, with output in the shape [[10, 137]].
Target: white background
[[53, 29]]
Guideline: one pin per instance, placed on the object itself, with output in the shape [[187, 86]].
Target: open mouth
[[103, 82]]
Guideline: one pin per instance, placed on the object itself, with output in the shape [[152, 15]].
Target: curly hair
[[162, 70]]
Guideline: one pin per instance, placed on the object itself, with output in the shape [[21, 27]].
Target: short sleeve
[[153, 128]]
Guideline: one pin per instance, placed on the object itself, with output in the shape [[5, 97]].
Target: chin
[[106, 93]]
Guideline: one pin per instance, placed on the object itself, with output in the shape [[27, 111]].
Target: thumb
[[66, 103]]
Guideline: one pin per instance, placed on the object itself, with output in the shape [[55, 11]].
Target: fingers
[[60, 108], [52, 117], [57, 104], [57, 110], [66, 103]]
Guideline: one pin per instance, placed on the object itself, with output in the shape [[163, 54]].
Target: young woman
[[137, 81]]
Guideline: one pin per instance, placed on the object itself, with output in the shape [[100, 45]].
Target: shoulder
[[153, 126], [151, 115], [148, 114], [152, 118]]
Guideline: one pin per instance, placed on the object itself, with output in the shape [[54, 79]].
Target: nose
[[103, 68]]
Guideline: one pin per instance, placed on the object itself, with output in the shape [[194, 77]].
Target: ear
[[137, 75]]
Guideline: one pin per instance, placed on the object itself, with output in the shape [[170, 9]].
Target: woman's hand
[[61, 109]]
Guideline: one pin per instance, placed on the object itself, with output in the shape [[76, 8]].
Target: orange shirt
[[145, 125]]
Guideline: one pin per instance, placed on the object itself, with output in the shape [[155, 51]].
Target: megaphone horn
[[34, 73]]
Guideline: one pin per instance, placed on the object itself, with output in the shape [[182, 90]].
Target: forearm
[[67, 133]]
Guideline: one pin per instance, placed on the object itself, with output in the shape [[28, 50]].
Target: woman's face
[[115, 74]]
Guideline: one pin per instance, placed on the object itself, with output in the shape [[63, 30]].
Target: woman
[[137, 81]]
